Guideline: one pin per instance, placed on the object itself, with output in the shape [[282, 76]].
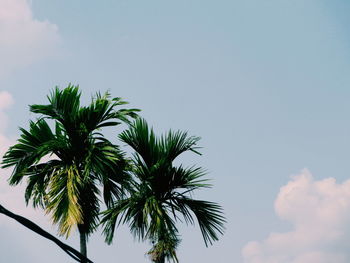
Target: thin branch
[[34, 227]]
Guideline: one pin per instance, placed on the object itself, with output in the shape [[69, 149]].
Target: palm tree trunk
[[161, 259], [34, 227], [83, 243]]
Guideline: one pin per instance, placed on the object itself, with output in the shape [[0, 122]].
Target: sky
[[265, 84]]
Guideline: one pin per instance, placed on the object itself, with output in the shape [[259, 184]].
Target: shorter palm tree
[[161, 193]]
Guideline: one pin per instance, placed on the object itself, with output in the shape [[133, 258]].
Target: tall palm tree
[[81, 159], [161, 193]]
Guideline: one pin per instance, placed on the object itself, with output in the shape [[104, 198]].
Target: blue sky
[[264, 83]]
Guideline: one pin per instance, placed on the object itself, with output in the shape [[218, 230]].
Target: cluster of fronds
[[79, 157]]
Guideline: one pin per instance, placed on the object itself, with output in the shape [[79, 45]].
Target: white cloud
[[319, 212], [24, 39], [28, 244], [11, 197], [6, 101]]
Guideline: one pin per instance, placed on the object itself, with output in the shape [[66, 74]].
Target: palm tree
[[161, 193], [81, 159]]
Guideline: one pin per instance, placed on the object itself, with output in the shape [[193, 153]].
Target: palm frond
[[175, 143], [38, 181], [209, 215], [102, 112], [63, 105], [126, 211], [63, 199], [142, 140], [30, 148]]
